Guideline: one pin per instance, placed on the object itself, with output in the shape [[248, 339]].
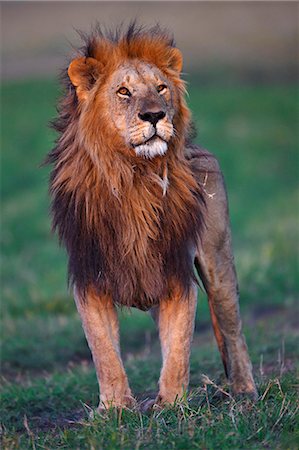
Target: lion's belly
[[139, 287], [144, 287]]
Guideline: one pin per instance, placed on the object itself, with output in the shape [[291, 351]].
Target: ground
[[49, 388]]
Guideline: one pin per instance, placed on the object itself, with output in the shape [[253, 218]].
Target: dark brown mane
[[123, 237]]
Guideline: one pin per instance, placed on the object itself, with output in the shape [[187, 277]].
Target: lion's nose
[[152, 116]]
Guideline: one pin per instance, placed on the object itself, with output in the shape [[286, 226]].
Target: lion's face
[[140, 100], [130, 103]]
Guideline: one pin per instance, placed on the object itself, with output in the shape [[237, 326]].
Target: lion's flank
[[128, 223]]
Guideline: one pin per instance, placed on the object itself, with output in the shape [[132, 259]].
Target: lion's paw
[[148, 405], [127, 402], [244, 389], [251, 395]]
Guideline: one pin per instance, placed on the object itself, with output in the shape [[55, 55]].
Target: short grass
[[48, 381]]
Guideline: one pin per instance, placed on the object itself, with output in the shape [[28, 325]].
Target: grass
[[48, 380]]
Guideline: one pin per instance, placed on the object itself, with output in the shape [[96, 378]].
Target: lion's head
[[132, 86]]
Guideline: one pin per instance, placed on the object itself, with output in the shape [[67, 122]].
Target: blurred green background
[[241, 68]]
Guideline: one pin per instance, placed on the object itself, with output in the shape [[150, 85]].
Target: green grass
[[48, 380]]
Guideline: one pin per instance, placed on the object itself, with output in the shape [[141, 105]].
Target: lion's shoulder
[[201, 159], [207, 172]]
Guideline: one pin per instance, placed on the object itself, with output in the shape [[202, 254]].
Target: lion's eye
[[124, 92], [161, 88]]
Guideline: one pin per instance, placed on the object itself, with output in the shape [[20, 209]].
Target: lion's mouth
[[153, 139], [153, 146]]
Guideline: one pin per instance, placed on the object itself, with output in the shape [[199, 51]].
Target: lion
[[137, 206]]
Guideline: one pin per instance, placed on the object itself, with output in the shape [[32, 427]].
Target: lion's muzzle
[[155, 130]]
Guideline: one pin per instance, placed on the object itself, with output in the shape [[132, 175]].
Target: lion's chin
[[152, 148]]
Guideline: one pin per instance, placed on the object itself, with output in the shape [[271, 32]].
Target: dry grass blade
[[254, 434], [269, 385], [281, 412], [30, 433], [207, 381]]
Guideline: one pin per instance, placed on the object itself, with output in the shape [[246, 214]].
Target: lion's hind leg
[[215, 264], [100, 323], [218, 275]]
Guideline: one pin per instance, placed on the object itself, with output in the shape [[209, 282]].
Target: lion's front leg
[[175, 319], [100, 323]]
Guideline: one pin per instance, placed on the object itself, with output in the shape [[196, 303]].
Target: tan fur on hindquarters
[[215, 264], [100, 323]]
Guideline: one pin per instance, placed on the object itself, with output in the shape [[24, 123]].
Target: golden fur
[[135, 199], [136, 205]]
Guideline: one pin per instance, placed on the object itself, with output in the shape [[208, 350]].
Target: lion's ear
[[83, 73], [175, 61]]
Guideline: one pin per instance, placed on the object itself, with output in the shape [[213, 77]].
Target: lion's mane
[[123, 237]]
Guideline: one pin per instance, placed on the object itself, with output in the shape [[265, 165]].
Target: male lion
[[136, 205]]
